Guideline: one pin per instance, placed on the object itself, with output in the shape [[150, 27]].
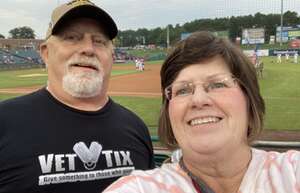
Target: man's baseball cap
[[78, 9]]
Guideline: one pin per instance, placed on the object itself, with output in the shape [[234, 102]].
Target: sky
[[134, 14]]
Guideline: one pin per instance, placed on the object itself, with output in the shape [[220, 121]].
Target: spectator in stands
[[212, 110], [71, 136]]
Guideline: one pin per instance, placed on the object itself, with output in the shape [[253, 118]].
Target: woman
[[212, 110]]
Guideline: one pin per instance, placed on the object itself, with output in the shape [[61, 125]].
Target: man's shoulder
[[122, 109], [27, 99]]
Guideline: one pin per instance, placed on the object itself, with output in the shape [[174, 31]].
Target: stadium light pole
[[281, 22], [168, 37]]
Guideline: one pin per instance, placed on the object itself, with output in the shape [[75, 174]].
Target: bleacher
[[121, 56], [18, 59]]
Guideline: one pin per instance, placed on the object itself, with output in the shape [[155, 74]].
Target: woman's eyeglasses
[[214, 85]]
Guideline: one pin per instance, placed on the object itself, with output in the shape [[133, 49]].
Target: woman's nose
[[200, 98]]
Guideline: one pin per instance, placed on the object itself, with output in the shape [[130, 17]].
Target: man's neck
[[84, 104]]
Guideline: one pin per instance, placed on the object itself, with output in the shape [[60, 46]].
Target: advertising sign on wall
[[253, 36]]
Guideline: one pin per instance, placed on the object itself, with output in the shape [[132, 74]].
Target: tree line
[[158, 36], [24, 32], [234, 25]]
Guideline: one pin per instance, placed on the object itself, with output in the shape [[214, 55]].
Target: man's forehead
[[82, 25]]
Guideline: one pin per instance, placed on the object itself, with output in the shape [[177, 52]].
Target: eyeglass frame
[[205, 84]]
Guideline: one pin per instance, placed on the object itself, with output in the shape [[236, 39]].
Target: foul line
[[113, 93], [145, 94]]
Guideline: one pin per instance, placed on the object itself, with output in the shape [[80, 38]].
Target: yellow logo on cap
[[80, 2]]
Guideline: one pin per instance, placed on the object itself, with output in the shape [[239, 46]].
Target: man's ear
[[113, 54], [44, 52]]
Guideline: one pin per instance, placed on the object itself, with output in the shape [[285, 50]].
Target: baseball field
[[140, 92]]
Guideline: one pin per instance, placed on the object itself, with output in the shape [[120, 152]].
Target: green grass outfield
[[279, 86], [33, 77], [281, 91]]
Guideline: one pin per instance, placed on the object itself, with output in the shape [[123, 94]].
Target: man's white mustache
[[90, 62]]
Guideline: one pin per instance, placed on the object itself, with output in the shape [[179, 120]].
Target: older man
[[70, 136]]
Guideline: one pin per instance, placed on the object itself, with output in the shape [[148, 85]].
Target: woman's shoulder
[[270, 170], [288, 156], [280, 165]]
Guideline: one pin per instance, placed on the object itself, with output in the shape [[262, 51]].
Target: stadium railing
[[162, 153]]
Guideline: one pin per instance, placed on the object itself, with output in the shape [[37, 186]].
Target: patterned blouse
[[268, 172]]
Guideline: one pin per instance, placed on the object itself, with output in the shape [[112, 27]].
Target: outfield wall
[[4, 66], [271, 52]]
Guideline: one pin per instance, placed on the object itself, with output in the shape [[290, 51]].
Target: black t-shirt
[[46, 146]]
